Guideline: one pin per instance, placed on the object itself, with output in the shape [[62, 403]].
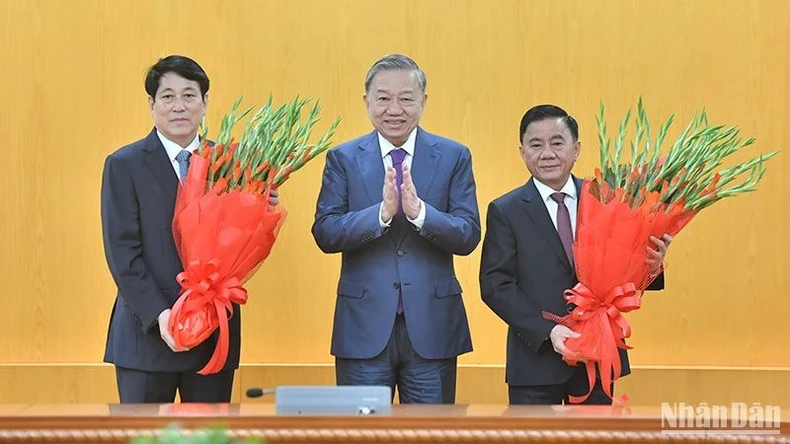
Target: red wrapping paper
[[222, 238], [610, 257]]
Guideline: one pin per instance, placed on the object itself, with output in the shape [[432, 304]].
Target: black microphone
[[258, 392]]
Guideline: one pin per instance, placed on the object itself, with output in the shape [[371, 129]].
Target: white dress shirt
[[408, 146], [173, 149], [571, 200]]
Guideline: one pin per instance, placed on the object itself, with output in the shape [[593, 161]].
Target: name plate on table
[[333, 400]]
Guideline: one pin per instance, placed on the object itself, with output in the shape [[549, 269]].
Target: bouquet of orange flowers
[[626, 203], [223, 225]]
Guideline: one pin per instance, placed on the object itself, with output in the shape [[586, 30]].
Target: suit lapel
[[579, 183], [371, 166], [425, 162], [537, 211], [159, 164]]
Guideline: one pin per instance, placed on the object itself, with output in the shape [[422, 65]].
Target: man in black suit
[[139, 187], [527, 264]]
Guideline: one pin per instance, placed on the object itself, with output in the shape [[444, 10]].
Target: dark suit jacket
[[138, 196], [377, 263], [524, 271]]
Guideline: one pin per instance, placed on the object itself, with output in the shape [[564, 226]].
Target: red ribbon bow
[[614, 329], [206, 304]]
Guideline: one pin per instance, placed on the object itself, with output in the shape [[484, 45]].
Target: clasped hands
[[560, 333], [412, 205]]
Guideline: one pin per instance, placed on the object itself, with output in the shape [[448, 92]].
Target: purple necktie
[[397, 156], [564, 225]]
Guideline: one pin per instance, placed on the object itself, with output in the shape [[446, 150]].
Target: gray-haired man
[[399, 203]]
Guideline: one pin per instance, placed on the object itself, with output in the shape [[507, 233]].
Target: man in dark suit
[[398, 203], [527, 264], [138, 195]]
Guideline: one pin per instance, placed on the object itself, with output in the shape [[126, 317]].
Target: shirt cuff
[[383, 224], [420, 219]]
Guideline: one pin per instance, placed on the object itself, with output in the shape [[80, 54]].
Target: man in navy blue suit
[[138, 195], [398, 203]]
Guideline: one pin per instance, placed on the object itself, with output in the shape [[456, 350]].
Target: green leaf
[[277, 136], [691, 168]]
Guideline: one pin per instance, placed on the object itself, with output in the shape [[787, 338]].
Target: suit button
[[400, 253], [396, 285]]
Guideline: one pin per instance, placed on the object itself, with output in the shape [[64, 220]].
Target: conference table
[[406, 423]]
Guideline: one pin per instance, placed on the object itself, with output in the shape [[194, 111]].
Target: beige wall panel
[[72, 93]]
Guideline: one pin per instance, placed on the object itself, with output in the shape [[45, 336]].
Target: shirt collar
[[407, 146], [545, 191], [173, 148]]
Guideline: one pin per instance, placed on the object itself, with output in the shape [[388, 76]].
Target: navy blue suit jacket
[[138, 195], [377, 264]]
